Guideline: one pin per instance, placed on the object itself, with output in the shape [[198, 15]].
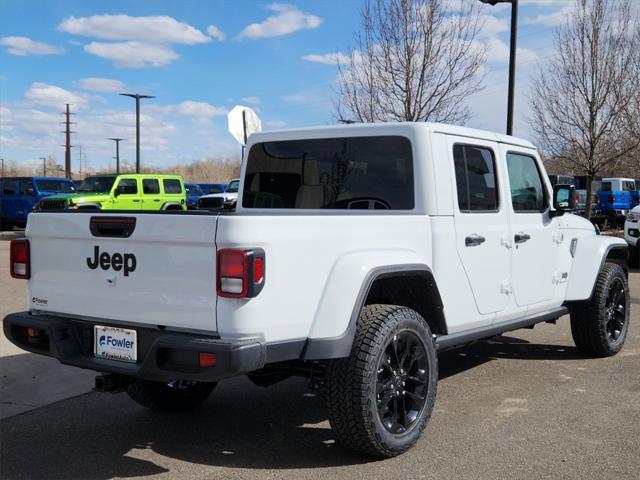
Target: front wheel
[[599, 325], [380, 398], [176, 396]]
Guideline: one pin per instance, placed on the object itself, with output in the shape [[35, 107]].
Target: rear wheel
[[380, 398], [599, 325], [175, 396]]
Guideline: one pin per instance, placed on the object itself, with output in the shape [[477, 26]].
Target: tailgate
[[162, 274]]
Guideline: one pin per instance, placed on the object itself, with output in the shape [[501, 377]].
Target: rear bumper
[[162, 355]]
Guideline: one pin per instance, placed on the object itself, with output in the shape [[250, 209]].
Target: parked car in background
[[18, 195], [580, 182], [208, 188], [561, 180], [635, 195], [122, 192], [226, 199], [193, 192], [614, 198], [632, 236]]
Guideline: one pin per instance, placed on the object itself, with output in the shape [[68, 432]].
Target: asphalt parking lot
[[523, 406]]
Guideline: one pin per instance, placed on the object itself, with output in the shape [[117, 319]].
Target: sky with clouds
[[200, 58]]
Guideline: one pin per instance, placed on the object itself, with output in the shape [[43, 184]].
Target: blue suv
[[18, 195]]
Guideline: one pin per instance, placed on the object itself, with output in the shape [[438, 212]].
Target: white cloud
[[252, 100], [215, 32], [498, 52], [493, 25], [197, 109], [52, 96], [102, 84], [551, 19], [25, 46], [288, 19], [275, 123], [153, 29], [132, 54], [327, 58]]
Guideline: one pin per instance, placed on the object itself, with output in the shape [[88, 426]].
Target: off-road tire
[[634, 256], [351, 383], [164, 397], [590, 321]]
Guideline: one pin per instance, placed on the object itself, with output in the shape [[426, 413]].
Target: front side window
[[171, 185], [150, 186], [128, 186], [360, 173], [475, 178], [527, 192], [193, 190], [26, 187], [55, 186]]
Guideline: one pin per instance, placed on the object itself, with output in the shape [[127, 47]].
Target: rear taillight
[[612, 199], [20, 257], [240, 273], [577, 197]]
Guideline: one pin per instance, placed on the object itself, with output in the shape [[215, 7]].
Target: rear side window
[[128, 186], [10, 187], [150, 186], [357, 173], [606, 186], [527, 191], [475, 178], [172, 185], [629, 186]]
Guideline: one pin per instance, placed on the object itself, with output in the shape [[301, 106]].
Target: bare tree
[[413, 60], [580, 99]]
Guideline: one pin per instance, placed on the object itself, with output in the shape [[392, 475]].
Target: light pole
[[512, 58], [137, 97], [117, 157], [44, 166], [2, 160]]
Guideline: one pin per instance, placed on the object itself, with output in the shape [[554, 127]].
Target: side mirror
[[564, 199], [117, 192], [31, 192]]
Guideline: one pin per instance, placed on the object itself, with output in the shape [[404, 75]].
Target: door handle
[[156, 199], [521, 237], [473, 240]]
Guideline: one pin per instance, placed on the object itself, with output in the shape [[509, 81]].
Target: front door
[[128, 195], [481, 222], [535, 235]]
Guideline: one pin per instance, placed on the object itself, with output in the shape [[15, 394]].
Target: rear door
[[162, 274], [481, 222], [534, 234], [151, 198]]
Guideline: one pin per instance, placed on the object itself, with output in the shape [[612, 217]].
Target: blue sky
[[200, 58]]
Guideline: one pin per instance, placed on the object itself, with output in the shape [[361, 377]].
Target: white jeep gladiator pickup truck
[[355, 254]]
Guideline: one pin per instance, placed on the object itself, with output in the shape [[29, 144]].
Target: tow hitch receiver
[[111, 382]]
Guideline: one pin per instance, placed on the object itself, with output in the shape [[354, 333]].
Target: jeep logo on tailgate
[[118, 261]]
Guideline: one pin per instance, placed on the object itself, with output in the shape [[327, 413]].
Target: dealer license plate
[[115, 343]]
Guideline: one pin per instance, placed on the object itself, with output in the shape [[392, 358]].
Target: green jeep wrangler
[[122, 192]]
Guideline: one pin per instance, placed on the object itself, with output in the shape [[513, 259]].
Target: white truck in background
[[355, 254]]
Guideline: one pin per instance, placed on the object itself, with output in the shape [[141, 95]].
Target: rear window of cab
[[352, 173]]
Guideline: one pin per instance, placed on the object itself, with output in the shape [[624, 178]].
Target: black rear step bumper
[[162, 355]]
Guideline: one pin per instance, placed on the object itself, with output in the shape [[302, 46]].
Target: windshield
[[233, 186], [193, 190], [56, 186], [97, 184]]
